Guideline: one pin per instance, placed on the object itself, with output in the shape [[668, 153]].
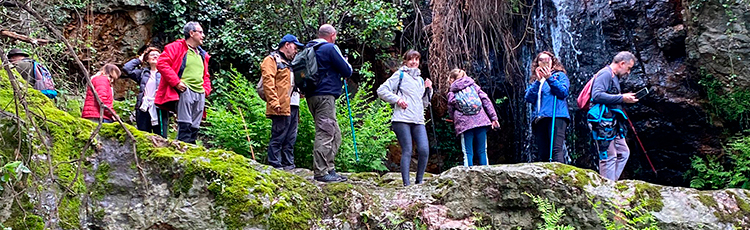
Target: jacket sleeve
[[164, 65], [104, 89], [489, 108], [339, 63], [268, 73], [532, 91], [132, 71], [451, 106], [206, 77], [599, 90], [385, 91], [558, 85]]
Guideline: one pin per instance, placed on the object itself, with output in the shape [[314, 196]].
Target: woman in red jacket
[[102, 82]]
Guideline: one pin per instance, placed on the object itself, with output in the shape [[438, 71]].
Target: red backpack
[[584, 98]]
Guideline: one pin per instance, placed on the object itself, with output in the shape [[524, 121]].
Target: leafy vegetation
[[732, 170], [550, 214], [616, 217], [226, 127]]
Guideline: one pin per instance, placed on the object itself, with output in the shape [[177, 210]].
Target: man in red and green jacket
[[185, 81]]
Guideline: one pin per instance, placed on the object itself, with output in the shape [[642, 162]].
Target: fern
[[550, 214], [718, 173], [615, 217]]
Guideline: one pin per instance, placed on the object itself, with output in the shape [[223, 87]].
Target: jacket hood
[[413, 72], [461, 83]]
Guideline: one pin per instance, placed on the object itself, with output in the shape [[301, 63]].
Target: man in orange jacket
[[185, 81]]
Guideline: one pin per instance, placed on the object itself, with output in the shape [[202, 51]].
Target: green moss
[[366, 176], [649, 195], [68, 211], [621, 186], [247, 193], [708, 201], [22, 218], [744, 207], [336, 193], [101, 186], [580, 178]]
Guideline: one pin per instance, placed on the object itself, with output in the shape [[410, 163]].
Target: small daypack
[[44, 82], [305, 68], [468, 101], [280, 64], [584, 98]]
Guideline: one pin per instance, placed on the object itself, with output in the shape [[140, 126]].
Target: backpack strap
[[400, 78]]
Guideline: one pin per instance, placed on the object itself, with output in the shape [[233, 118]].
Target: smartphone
[[641, 93]]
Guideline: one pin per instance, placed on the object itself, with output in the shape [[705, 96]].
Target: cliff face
[[180, 186]]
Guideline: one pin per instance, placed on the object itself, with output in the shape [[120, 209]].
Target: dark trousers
[[542, 130], [283, 137], [143, 122], [405, 133]]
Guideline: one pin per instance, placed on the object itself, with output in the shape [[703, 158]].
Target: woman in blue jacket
[[143, 71], [547, 92]]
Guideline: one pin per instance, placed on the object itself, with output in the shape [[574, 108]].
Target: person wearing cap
[[23, 64], [282, 102], [185, 82]]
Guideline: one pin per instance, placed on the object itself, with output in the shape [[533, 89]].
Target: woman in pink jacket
[[102, 82]]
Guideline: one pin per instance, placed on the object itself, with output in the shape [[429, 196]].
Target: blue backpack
[[468, 101]]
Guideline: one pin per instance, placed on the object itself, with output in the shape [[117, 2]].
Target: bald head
[[327, 32]]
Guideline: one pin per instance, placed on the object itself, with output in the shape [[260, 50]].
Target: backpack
[[468, 101], [584, 98], [305, 68], [44, 82], [280, 64]]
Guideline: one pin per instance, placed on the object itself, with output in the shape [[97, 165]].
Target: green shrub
[[730, 171], [225, 128]]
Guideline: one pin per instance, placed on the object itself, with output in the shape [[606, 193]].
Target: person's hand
[[181, 87], [277, 108], [495, 124], [544, 72], [141, 57], [629, 98], [427, 83], [401, 103]]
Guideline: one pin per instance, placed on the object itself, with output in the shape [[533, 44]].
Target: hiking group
[[176, 81]]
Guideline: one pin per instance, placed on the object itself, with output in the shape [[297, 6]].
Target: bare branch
[[16, 36]]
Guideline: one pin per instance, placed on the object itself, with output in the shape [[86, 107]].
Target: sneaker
[[328, 178], [333, 172]]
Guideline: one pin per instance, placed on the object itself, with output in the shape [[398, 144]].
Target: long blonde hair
[[455, 74]]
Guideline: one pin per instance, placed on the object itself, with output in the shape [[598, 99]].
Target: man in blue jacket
[[607, 118], [332, 67]]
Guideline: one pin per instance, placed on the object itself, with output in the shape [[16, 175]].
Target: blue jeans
[[405, 132], [474, 141]]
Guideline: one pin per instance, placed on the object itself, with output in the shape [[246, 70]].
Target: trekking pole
[[247, 134], [351, 120], [640, 143], [552, 134]]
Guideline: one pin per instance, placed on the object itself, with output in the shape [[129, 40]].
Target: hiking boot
[[328, 178], [288, 167], [333, 172]]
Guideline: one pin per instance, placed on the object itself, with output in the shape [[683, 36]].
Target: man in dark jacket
[[185, 82], [321, 101], [607, 118], [23, 64]]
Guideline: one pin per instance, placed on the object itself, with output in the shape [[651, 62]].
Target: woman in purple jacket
[[472, 113]]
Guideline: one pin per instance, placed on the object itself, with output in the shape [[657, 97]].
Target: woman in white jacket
[[411, 94]]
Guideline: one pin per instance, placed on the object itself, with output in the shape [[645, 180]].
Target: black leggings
[[542, 130], [405, 132]]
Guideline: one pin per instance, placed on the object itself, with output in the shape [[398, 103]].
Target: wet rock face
[[671, 121], [719, 40]]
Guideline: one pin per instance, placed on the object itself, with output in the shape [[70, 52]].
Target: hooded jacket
[[463, 122], [104, 90], [555, 88], [412, 90]]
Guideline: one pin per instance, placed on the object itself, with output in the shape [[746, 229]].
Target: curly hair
[[556, 65], [144, 60]]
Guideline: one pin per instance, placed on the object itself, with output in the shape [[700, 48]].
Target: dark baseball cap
[[290, 38], [15, 52]]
